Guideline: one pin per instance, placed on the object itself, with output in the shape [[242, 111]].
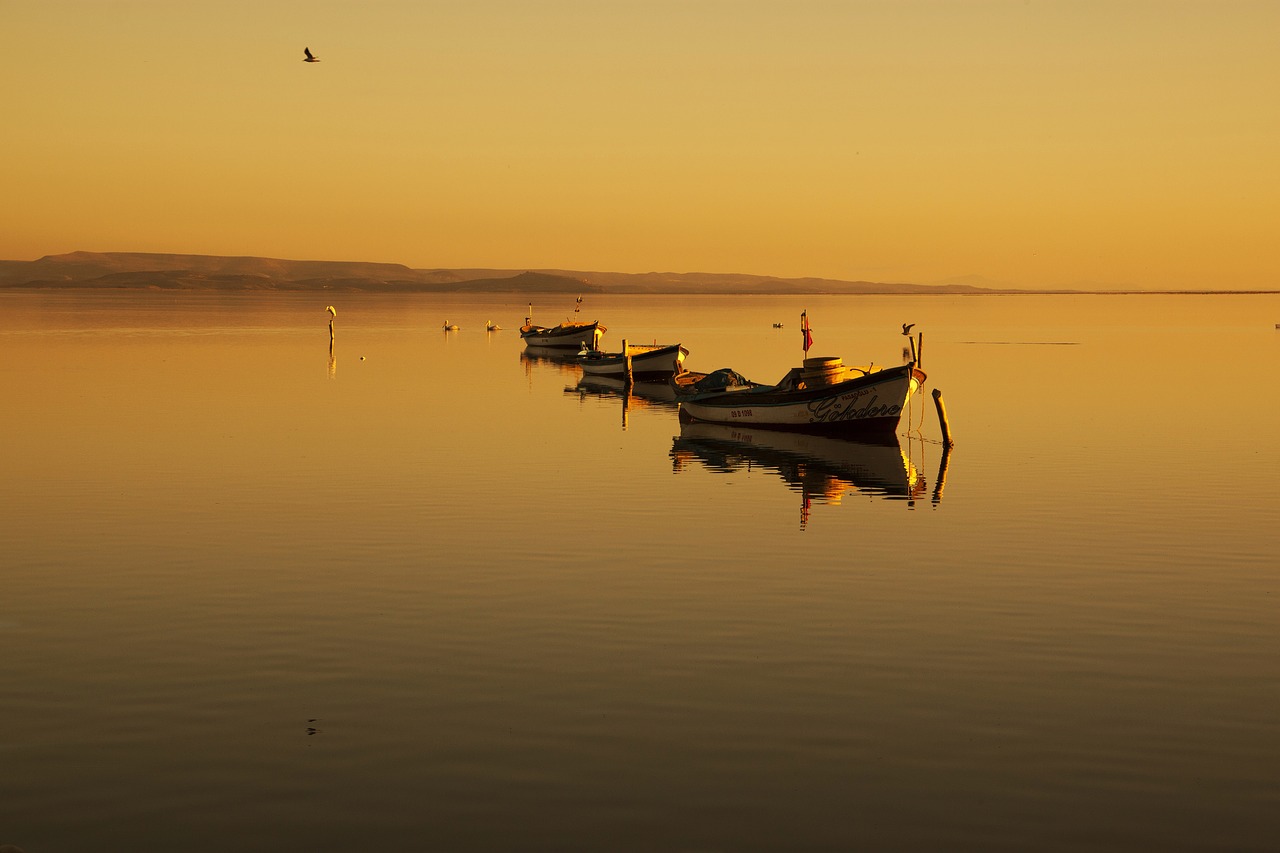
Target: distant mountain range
[[138, 270]]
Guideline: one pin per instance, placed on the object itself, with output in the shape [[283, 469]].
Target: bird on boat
[[906, 329], [309, 58]]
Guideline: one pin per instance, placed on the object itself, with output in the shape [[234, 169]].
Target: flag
[[804, 330]]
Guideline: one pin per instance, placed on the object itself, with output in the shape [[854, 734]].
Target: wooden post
[[920, 349], [626, 361], [942, 418]]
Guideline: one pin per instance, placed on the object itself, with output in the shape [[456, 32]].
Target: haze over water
[[425, 593]]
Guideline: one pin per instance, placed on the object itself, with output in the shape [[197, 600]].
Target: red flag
[[804, 330]]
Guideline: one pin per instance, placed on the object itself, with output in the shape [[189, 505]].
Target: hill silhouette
[[142, 270]]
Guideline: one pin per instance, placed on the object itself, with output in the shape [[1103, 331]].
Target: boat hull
[[562, 337], [647, 363], [868, 404]]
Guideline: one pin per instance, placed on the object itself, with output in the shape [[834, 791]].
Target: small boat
[[649, 362], [824, 397], [564, 336], [568, 335]]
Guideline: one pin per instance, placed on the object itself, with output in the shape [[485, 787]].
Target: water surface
[[425, 593]]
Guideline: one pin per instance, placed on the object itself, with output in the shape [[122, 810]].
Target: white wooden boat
[[648, 362], [824, 396], [567, 335]]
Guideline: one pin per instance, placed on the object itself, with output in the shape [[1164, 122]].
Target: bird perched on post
[[309, 58], [906, 329]]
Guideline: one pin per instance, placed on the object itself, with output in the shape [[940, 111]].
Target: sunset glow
[[1041, 144]]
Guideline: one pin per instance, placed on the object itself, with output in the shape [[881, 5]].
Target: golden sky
[[1034, 144]]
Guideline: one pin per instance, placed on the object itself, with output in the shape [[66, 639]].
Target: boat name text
[[850, 407]]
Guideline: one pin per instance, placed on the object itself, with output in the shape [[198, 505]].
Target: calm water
[[428, 594]]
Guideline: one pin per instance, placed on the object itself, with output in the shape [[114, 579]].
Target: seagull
[[309, 58], [332, 310], [906, 329]]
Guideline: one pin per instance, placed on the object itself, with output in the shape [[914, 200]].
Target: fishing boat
[[567, 335], [649, 362], [824, 396]]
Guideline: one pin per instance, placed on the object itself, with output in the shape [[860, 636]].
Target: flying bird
[[309, 58], [906, 329]]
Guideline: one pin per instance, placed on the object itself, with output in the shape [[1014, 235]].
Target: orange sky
[[1034, 144]]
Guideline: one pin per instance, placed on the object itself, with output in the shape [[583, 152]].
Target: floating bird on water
[[906, 329], [491, 326], [309, 58], [450, 327]]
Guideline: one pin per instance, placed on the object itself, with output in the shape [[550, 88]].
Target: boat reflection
[[566, 362], [821, 469], [652, 394], [642, 395]]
